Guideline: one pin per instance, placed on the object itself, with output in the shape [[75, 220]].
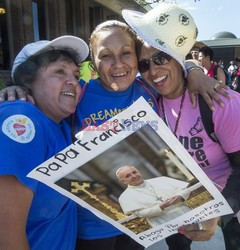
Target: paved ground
[[216, 243]]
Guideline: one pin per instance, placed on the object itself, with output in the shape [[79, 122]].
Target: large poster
[[133, 172]]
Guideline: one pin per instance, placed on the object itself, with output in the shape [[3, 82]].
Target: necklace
[[179, 112]]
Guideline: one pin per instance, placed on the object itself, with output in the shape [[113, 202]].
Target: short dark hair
[[207, 51], [26, 72]]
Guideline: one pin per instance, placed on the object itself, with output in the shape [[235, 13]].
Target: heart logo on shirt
[[20, 129]]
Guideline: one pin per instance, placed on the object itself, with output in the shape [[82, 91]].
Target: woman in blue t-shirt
[[32, 215]]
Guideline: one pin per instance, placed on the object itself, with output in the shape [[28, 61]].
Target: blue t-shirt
[[27, 139], [96, 106]]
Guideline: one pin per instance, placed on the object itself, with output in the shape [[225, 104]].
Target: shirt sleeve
[[184, 193], [168, 183], [149, 212], [226, 123], [23, 141], [176, 187], [82, 82], [130, 205], [226, 126]]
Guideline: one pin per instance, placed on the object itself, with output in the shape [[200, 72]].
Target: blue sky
[[212, 16]]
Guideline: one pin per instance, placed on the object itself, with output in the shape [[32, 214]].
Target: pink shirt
[[211, 156]]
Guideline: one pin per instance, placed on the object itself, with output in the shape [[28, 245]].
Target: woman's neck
[[179, 90]]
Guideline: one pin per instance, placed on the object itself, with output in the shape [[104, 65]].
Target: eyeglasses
[[159, 58]]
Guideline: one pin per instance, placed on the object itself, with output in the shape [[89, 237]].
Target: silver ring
[[216, 85], [200, 226]]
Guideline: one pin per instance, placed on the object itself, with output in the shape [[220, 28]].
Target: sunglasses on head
[[160, 58]]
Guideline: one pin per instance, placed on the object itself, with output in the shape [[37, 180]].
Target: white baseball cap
[[167, 27], [62, 42]]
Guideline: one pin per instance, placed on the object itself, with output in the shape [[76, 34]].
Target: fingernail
[[10, 98], [22, 99], [212, 108]]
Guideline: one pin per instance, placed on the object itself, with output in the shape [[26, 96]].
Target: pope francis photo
[[159, 200]]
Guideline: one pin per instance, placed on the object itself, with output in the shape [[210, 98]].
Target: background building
[[226, 47], [24, 21]]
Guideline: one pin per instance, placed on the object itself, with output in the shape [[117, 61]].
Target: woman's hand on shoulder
[[14, 92], [207, 87]]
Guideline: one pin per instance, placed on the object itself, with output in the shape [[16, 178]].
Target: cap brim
[[71, 42], [74, 43]]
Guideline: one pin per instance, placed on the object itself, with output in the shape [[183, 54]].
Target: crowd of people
[[49, 72], [205, 56]]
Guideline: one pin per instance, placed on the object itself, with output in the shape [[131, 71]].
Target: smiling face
[[56, 89], [114, 58], [204, 60], [166, 79], [130, 176], [195, 52]]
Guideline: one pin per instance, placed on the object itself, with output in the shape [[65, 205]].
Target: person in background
[[34, 216], [212, 70], [195, 53], [161, 65], [232, 67], [236, 76], [195, 49], [221, 63]]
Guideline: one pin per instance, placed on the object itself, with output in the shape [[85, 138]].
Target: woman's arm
[[199, 83], [16, 201]]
